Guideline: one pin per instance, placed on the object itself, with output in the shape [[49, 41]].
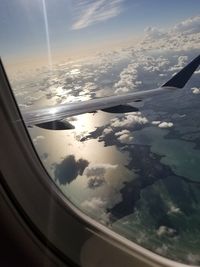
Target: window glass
[[137, 173]]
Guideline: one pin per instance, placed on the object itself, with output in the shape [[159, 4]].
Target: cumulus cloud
[[153, 64], [183, 36], [195, 90], [124, 137], [182, 60], [96, 11], [165, 124], [107, 131], [197, 72], [166, 231], [129, 120], [94, 204], [127, 79], [89, 86], [98, 170], [173, 209], [190, 25], [122, 132], [95, 182], [162, 249], [156, 122], [153, 32], [37, 139]]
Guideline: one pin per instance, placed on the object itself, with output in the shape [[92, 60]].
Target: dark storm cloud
[[69, 169]]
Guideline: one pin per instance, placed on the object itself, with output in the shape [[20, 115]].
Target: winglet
[[182, 77]]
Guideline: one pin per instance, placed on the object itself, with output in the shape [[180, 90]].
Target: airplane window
[[133, 165]]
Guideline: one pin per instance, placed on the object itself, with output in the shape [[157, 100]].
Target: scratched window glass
[[133, 166]]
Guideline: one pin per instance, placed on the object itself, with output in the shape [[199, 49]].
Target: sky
[[31, 29]]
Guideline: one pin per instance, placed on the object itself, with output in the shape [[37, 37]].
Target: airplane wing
[[52, 117]]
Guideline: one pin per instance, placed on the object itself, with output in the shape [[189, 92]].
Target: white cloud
[[95, 182], [152, 32], [121, 90], [191, 25], [89, 86], [122, 132], [165, 124], [173, 209], [127, 79], [183, 36], [124, 137], [96, 11], [98, 169], [94, 204], [197, 72], [129, 120], [164, 230], [38, 139], [153, 64], [162, 249], [195, 90], [156, 122], [107, 131], [182, 60]]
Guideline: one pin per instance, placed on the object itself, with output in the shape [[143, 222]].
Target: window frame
[[47, 213]]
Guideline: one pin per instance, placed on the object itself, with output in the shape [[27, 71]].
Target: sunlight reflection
[[47, 34]]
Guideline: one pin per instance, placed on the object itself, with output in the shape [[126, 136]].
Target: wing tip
[[182, 77]]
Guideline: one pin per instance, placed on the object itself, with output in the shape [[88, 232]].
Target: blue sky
[[74, 24]]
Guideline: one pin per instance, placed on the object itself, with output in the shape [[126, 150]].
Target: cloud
[[166, 231], [129, 120], [124, 137], [122, 132], [94, 204], [96, 207], [156, 122], [107, 131], [66, 171], [197, 72], [90, 13], [195, 90], [153, 32], [184, 36], [191, 25], [98, 170], [152, 64], [95, 182], [182, 60], [173, 209], [165, 124], [89, 86], [37, 139], [127, 79]]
